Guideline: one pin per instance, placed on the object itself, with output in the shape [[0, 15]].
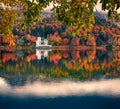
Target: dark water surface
[[85, 102], [59, 79]]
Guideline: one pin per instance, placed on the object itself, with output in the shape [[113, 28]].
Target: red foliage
[[96, 28], [65, 41], [16, 37], [8, 56], [65, 55], [118, 32], [33, 39], [31, 57], [22, 32], [55, 58], [55, 38], [109, 31], [77, 54], [77, 41]]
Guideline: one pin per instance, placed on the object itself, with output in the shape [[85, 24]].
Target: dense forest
[[101, 33]]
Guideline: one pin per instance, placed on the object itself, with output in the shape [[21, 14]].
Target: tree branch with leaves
[[76, 13]]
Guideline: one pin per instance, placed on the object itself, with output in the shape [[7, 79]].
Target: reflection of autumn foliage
[[65, 54], [91, 55], [117, 57], [8, 56], [85, 63], [85, 67], [55, 58], [58, 72], [72, 65], [0, 64], [31, 57], [75, 54], [10, 48]]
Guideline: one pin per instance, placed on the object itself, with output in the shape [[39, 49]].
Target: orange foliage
[[9, 40], [8, 56], [31, 57], [55, 38], [91, 41], [69, 65], [65, 55], [28, 37], [91, 67], [21, 63], [109, 31], [65, 41], [96, 28], [22, 32], [91, 55], [33, 39], [77, 54], [55, 58]]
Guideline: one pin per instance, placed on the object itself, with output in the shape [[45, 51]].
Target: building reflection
[[41, 54]]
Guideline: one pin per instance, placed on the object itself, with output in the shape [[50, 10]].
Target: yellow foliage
[[108, 74], [91, 67], [28, 36], [118, 41], [116, 73], [12, 42], [0, 64]]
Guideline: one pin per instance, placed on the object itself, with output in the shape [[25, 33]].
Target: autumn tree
[[78, 13]]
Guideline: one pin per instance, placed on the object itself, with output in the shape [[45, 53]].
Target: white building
[[42, 48], [41, 42]]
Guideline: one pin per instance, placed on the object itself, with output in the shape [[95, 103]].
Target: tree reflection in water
[[22, 66]]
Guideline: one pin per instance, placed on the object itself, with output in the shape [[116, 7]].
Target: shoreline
[[82, 47]]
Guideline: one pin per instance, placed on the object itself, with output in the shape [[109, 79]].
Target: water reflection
[[61, 64], [59, 73], [41, 54]]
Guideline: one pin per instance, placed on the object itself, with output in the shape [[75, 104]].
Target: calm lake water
[[46, 79]]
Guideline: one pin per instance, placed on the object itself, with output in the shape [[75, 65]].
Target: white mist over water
[[63, 88]]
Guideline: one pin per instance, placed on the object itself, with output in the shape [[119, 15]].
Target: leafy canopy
[[76, 13]]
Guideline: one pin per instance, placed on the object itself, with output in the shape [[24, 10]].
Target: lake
[[59, 79]]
